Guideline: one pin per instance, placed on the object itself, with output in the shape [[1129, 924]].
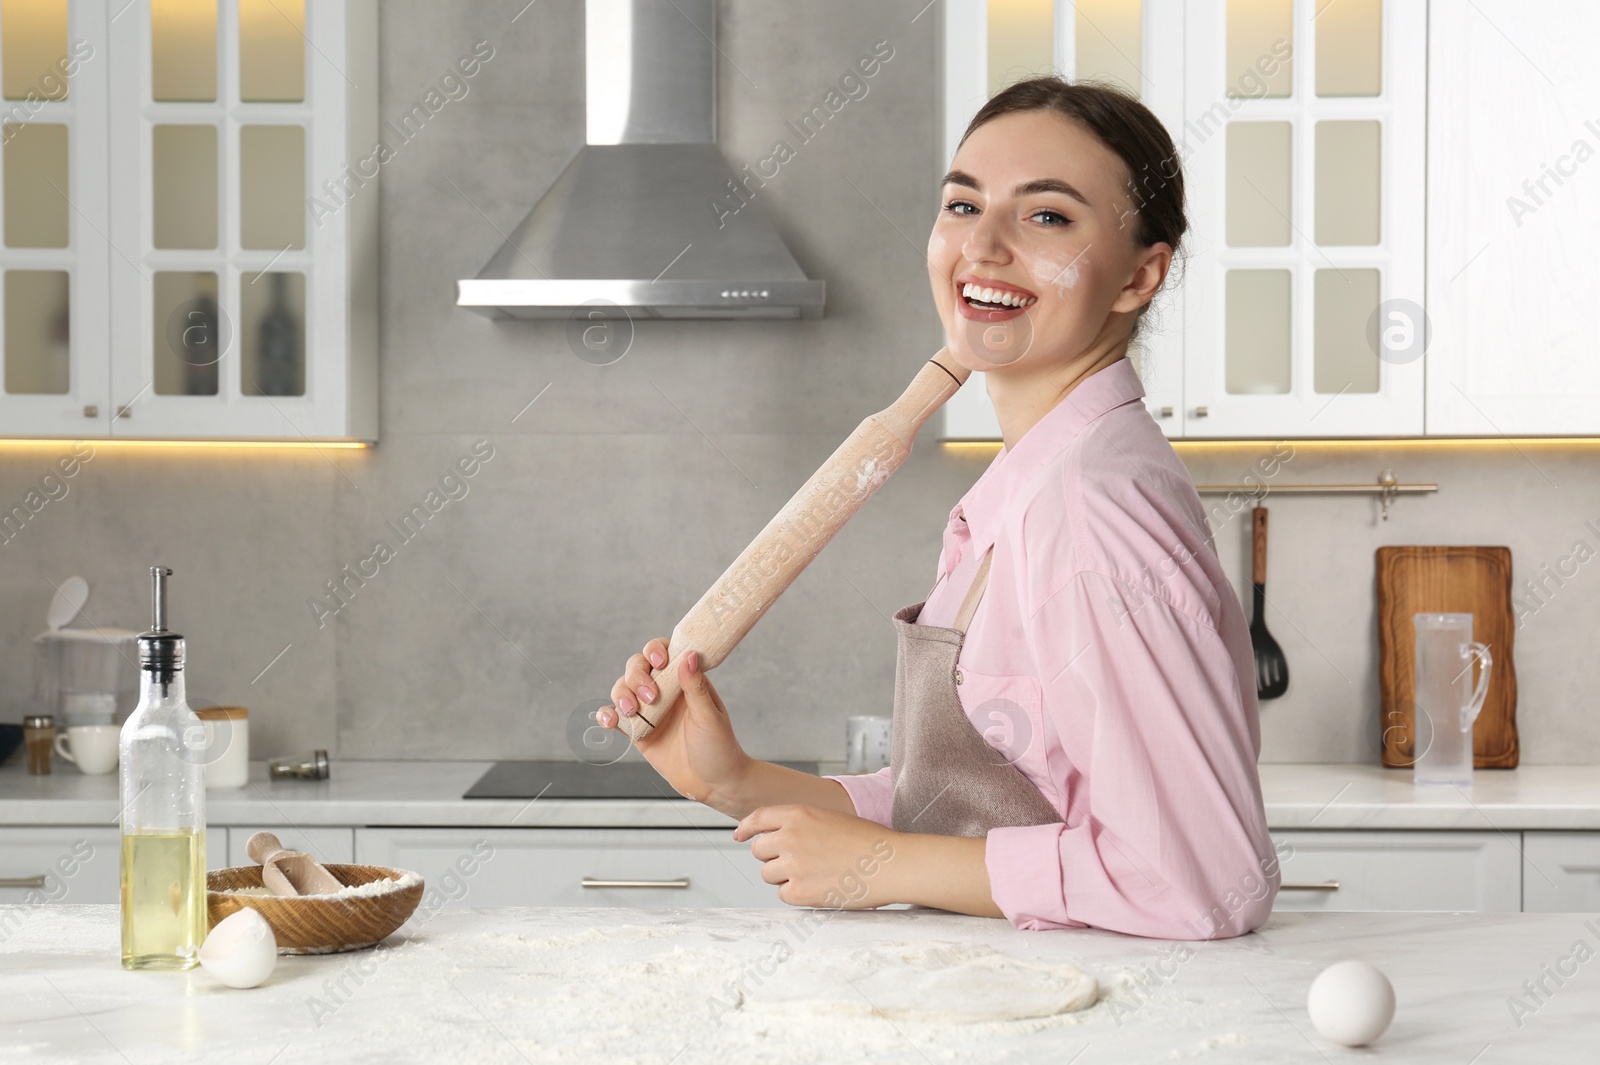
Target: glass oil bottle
[[163, 807]]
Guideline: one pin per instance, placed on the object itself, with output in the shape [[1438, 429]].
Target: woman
[[1076, 730]]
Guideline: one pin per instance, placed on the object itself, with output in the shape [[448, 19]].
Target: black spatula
[[1272, 669]]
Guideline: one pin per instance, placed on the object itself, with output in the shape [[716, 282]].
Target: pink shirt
[[1110, 661]]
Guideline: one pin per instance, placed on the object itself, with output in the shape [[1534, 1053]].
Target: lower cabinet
[[1561, 872], [574, 866], [73, 864], [1394, 870], [324, 844], [60, 864], [1551, 872]]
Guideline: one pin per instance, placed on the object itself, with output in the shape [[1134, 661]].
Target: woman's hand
[[822, 858], [693, 747]]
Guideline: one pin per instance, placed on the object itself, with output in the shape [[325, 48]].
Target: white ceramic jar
[[227, 745]]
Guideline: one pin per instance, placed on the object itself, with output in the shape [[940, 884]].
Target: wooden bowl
[[312, 924]]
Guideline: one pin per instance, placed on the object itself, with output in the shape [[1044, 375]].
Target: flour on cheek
[[1061, 274]]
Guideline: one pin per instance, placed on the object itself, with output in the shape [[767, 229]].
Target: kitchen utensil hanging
[[1272, 668]]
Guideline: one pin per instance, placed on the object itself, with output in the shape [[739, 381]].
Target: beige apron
[[948, 781]]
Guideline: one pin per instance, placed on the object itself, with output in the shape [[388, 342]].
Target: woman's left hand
[[821, 858]]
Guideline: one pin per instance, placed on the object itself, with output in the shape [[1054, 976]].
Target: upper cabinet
[[1303, 146], [189, 233], [1513, 213], [1300, 126]]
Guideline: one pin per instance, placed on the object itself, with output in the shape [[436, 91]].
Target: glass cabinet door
[[52, 218], [1303, 137], [222, 261]]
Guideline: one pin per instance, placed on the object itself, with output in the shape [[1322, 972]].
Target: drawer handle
[[22, 881], [677, 883], [1326, 885]]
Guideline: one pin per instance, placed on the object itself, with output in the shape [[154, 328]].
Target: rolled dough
[[953, 983]]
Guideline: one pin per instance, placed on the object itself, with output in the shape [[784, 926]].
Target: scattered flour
[[937, 983], [355, 891], [622, 933]]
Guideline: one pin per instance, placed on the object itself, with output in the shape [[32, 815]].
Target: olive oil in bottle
[[163, 807], [162, 912]]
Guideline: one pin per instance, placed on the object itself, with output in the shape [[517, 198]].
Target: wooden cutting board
[[1446, 580]]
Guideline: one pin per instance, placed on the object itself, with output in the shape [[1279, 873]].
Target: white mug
[[866, 743], [92, 748]]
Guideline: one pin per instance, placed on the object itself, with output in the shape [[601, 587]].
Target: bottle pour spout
[[160, 650]]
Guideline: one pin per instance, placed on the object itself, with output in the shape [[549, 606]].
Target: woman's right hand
[[693, 747]]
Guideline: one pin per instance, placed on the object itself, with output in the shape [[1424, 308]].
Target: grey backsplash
[[612, 502]]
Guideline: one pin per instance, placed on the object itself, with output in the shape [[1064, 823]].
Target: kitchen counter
[[1297, 796], [547, 985]]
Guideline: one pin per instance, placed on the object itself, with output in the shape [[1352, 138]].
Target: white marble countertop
[[653, 987], [1297, 796]]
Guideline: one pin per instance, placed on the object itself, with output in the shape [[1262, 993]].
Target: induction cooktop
[[626, 779]]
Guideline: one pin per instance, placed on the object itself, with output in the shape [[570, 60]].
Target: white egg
[[1351, 1002], [241, 950]]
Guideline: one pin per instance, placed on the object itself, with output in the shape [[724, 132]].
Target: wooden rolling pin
[[731, 607]]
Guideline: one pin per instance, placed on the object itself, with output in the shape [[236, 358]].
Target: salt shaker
[[310, 766]]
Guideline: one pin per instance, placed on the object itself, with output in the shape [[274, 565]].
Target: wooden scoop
[[286, 872], [839, 488]]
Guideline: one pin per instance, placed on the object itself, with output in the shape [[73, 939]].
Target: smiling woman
[[1075, 167], [1075, 720]]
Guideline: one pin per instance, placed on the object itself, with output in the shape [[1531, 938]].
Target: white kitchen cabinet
[[73, 864], [324, 844], [60, 864], [1306, 199], [1301, 131], [1394, 870], [1513, 208], [1561, 872], [574, 867], [54, 326], [216, 275]]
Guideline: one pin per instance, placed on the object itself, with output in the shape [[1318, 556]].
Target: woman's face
[[1036, 207]]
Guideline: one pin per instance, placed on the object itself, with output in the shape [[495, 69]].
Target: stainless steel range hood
[[648, 216]]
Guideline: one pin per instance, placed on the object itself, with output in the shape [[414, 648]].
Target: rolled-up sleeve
[[1164, 833], [872, 794]]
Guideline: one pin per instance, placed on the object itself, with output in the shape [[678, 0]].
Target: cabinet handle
[[1326, 885], [22, 881], [677, 883], [1201, 412], [1166, 412], [91, 411]]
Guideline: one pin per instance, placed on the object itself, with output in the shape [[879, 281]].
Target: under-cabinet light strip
[[1371, 442], [205, 444]]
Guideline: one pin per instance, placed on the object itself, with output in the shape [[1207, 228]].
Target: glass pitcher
[[1447, 700]]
